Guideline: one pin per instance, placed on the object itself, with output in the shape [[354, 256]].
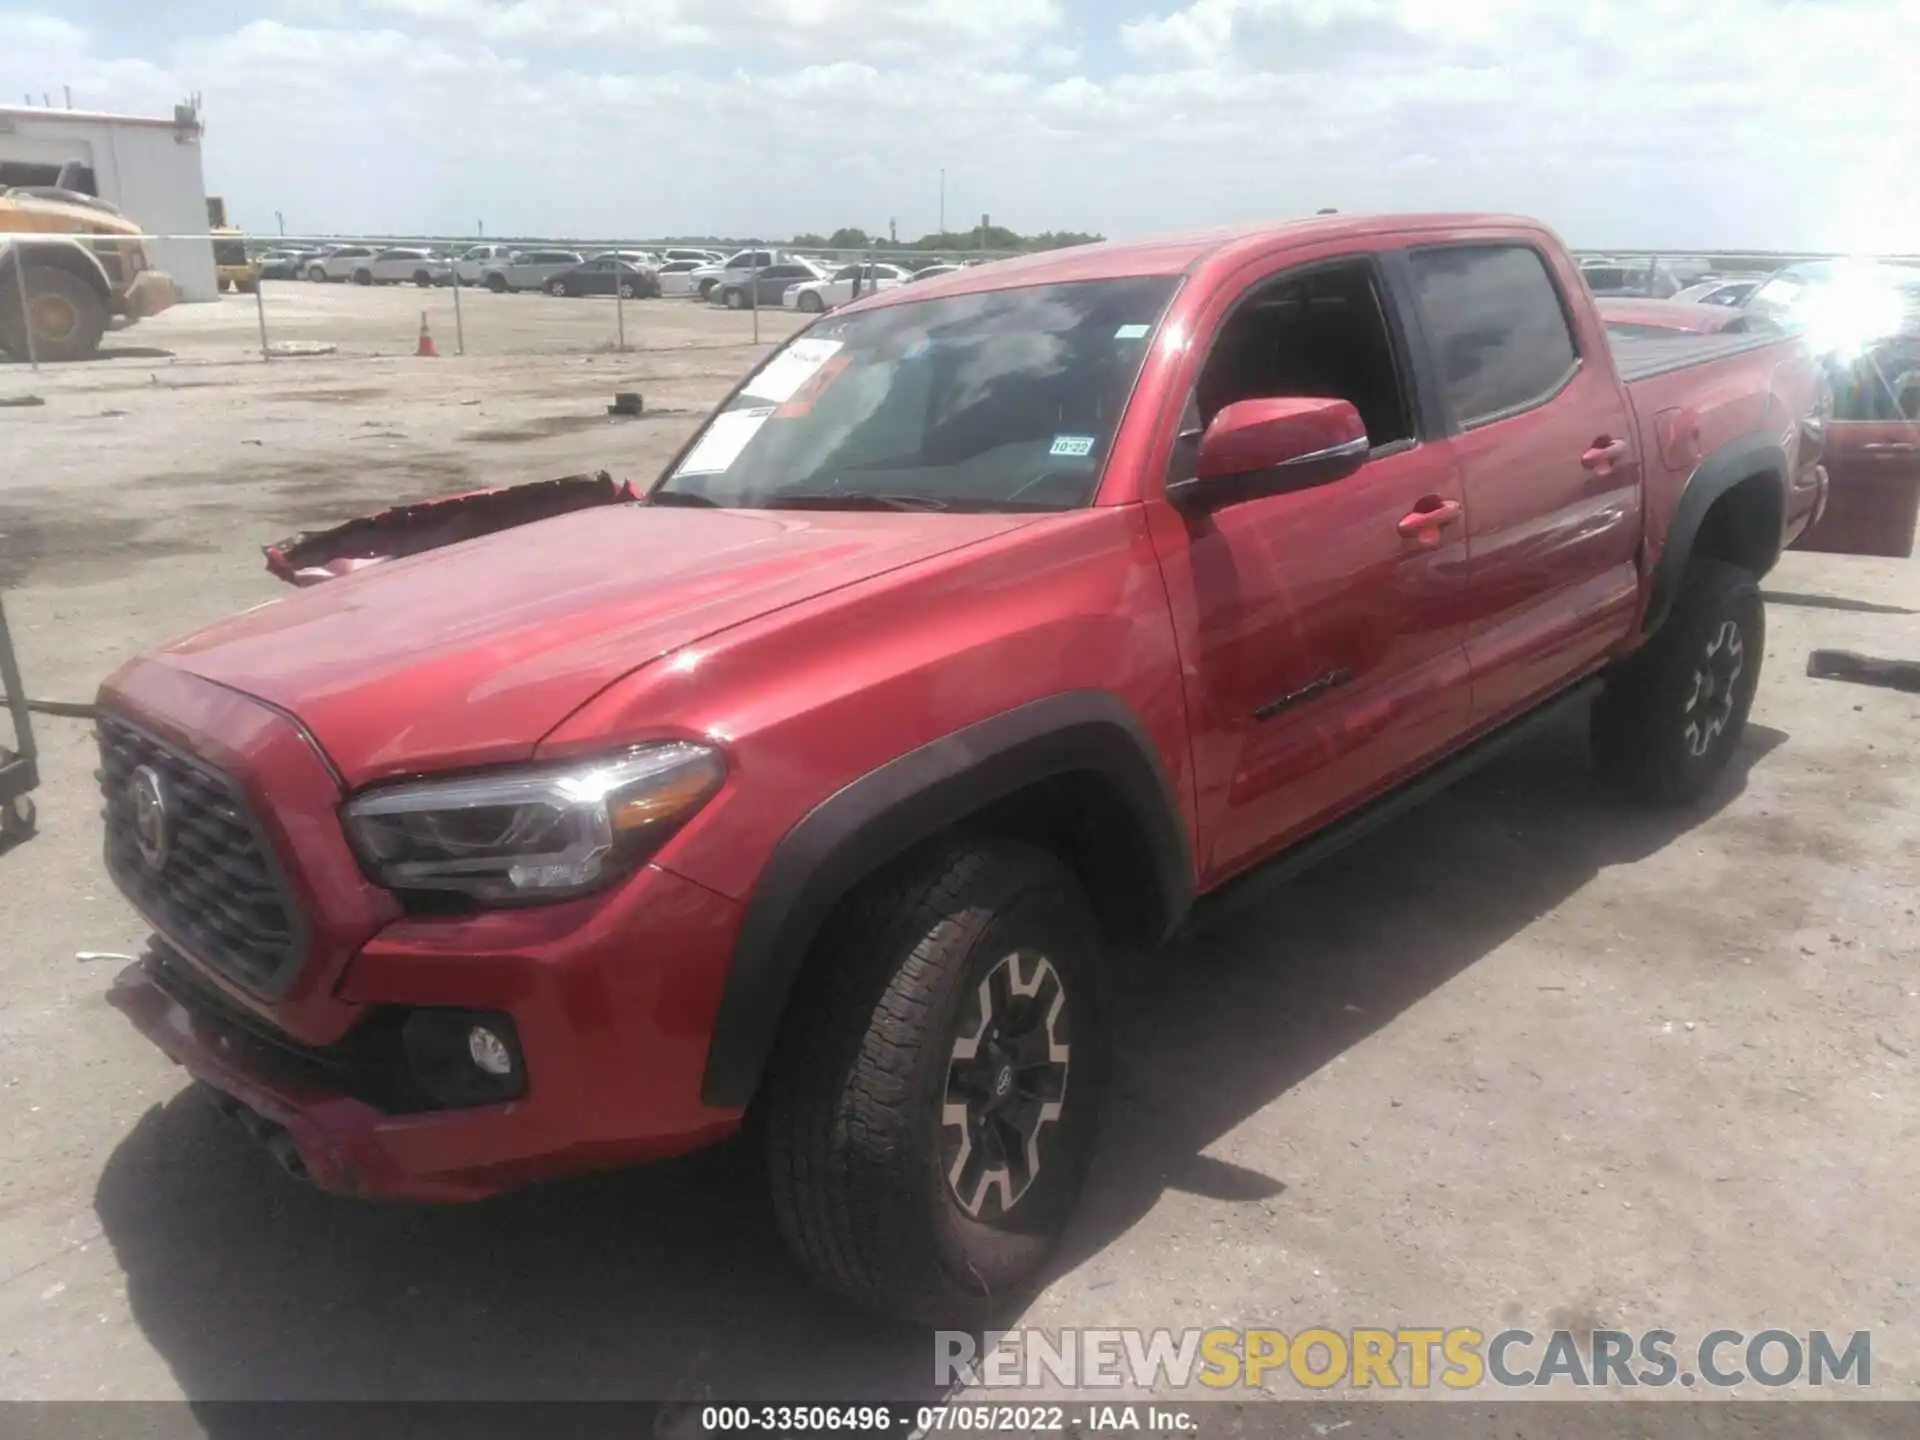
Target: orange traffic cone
[[426, 339]]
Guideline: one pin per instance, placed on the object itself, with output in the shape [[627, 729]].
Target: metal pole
[[459, 321], [943, 199], [619, 304], [754, 296], [260, 307], [26, 315]]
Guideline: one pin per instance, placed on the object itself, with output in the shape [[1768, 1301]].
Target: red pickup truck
[[984, 627]]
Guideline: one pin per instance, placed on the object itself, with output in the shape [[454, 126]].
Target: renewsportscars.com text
[[1418, 1358]]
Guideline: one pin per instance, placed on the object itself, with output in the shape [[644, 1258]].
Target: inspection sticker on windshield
[[1132, 332], [791, 369], [1072, 445], [726, 437]]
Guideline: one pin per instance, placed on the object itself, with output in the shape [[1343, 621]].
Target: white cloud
[[898, 28], [1749, 122]]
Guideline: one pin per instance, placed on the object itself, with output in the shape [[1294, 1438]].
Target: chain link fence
[[439, 295]]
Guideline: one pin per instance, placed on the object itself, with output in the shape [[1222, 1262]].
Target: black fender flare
[[851, 834], [1736, 461]]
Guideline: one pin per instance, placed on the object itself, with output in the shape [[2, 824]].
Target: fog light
[[464, 1057], [489, 1051]]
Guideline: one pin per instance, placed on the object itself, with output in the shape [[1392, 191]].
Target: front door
[[1326, 622]]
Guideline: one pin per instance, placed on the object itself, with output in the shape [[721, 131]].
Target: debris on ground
[[1864, 670]]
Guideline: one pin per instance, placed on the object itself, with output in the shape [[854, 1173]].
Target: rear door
[[1547, 449]]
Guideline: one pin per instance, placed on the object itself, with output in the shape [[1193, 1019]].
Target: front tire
[[497, 284], [423, 279], [363, 277], [811, 302], [934, 1102], [1672, 716], [66, 316]]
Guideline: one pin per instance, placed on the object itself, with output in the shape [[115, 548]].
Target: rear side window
[[1496, 325]]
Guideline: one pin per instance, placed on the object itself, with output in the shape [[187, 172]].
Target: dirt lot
[[1529, 1057]]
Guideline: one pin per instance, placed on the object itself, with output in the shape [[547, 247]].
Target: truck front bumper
[[612, 1023]]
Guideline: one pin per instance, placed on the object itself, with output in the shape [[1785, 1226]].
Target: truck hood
[[469, 655]]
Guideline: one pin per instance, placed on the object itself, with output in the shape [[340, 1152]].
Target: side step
[[1259, 884]]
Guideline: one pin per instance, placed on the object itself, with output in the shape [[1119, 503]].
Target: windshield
[[1006, 400]]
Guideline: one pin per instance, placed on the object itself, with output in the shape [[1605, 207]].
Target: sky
[[1661, 123]]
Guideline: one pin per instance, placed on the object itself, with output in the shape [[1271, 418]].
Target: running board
[[1258, 885]]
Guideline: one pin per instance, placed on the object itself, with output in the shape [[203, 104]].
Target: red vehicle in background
[[1862, 320], [988, 625]]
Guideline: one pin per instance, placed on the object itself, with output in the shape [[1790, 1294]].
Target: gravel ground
[[1528, 1057]]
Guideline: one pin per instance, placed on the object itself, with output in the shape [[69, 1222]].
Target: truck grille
[[183, 845]]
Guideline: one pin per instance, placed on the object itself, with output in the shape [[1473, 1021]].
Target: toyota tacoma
[[985, 627]]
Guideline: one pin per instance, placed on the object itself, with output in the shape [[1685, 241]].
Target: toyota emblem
[[147, 799]]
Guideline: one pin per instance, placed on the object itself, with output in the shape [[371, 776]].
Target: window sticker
[[791, 369], [1132, 332], [726, 437], [1072, 445]]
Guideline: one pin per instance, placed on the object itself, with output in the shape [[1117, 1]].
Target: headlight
[[524, 836]]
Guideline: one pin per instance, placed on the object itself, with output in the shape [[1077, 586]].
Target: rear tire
[[733, 299], [497, 284], [1672, 716], [67, 316], [423, 279], [811, 302], [363, 277], [932, 1108]]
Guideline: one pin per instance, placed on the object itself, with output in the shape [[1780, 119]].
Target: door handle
[[1429, 517], [1604, 453], [1890, 447]]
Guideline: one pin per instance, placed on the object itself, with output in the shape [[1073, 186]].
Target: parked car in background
[[754, 288], [286, 264], [478, 262], [1651, 279], [644, 258], [681, 252], [1721, 290], [606, 275], [676, 277], [404, 265], [532, 269], [1862, 318], [738, 267], [838, 287], [934, 272], [1628, 315], [338, 262]]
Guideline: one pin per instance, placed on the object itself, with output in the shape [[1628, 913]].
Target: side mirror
[[1265, 447]]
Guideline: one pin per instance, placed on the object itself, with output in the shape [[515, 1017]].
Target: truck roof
[[1180, 253]]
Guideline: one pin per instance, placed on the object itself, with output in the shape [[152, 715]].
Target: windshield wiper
[[851, 500], [679, 497]]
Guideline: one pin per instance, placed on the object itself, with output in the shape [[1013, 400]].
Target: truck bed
[[1640, 357]]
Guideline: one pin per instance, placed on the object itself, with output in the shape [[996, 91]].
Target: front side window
[[1322, 333], [1495, 321], [1006, 400]]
